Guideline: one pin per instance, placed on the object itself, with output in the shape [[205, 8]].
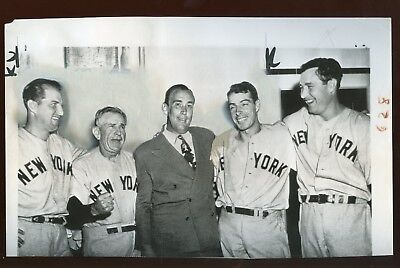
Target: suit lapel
[[198, 148], [164, 150]]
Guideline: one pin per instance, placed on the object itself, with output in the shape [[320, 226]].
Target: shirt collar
[[172, 137]]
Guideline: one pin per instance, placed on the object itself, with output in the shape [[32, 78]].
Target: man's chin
[[182, 129], [241, 127], [53, 129]]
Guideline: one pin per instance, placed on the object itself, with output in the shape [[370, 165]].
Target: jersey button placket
[[250, 158]]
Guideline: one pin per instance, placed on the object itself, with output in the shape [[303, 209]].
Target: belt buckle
[[58, 220], [38, 219], [322, 198], [231, 208], [112, 230], [261, 213]]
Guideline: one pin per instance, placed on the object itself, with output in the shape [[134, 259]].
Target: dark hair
[[173, 88], [35, 89], [244, 87], [108, 109], [328, 68]]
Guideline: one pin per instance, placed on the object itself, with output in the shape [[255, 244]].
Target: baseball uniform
[[333, 165], [94, 174], [253, 185], [45, 170]]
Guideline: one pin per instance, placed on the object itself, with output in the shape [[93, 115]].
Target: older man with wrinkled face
[[104, 190]]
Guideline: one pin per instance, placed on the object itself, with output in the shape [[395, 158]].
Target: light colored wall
[[207, 71]]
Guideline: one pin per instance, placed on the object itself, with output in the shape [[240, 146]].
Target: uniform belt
[[334, 199], [42, 219], [247, 211], [124, 229]]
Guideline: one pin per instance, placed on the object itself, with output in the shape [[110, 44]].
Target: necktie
[[187, 152]]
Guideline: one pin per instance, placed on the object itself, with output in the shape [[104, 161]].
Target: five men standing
[[327, 144]]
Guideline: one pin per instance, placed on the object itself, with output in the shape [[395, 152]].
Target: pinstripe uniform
[[44, 173], [333, 163], [252, 177], [94, 174]]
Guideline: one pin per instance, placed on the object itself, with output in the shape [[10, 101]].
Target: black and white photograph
[[199, 137]]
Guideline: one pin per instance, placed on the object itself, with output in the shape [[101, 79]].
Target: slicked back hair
[[244, 87], [35, 90], [173, 88], [327, 68]]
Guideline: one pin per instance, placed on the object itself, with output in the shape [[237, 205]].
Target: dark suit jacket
[[175, 211]]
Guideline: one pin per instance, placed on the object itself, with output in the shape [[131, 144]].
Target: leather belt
[[247, 211], [42, 219], [124, 229], [334, 199]]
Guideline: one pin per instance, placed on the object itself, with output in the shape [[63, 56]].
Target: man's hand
[[103, 205], [20, 237]]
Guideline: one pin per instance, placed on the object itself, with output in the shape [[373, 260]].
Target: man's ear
[[164, 108], [258, 105], [332, 85], [96, 132], [32, 106]]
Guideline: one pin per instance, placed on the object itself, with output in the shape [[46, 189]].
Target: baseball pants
[[43, 239], [97, 242], [335, 230], [244, 236]]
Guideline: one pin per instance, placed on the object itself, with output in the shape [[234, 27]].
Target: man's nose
[[238, 110], [119, 130], [183, 110], [304, 92], [60, 110]]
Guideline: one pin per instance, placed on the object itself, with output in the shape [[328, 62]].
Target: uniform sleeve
[[143, 201], [214, 157], [363, 147], [75, 151], [80, 183], [291, 148]]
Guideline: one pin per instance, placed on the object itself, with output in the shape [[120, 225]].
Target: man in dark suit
[[175, 211]]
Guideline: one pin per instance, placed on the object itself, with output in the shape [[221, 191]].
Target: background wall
[[139, 91]]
